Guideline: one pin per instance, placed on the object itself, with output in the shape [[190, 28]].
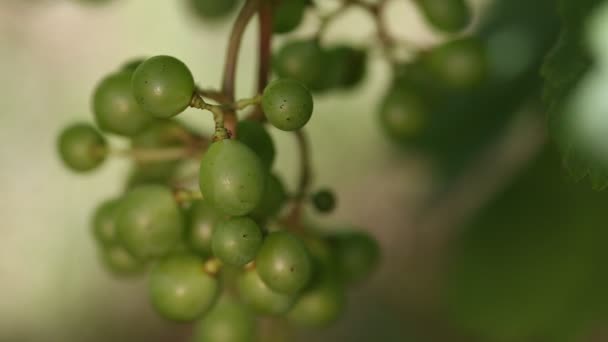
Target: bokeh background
[[492, 245]]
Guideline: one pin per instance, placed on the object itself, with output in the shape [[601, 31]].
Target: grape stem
[[221, 111], [234, 45], [153, 154], [212, 266], [184, 196], [264, 54], [295, 215]]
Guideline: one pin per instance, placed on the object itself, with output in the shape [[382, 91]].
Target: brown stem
[[232, 56], [265, 47], [295, 215]]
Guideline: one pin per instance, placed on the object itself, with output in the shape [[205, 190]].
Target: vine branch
[[304, 179]]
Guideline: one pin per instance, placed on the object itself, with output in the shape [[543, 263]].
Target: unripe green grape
[[302, 61], [258, 296], [458, 64], [203, 219], [320, 305], [115, 108], [119, 261], [150, 222], [228, 321], [346, 67], [357, 255], [273, 199], [284, 263], [232, 177], [236, 241], [403, 114], [180, 289], [213, 9], [254, 135], [132, 64], [288, 105], [104, 222], [81, 147], [446, 15], [288, 15], [324, 200], [163, 86]]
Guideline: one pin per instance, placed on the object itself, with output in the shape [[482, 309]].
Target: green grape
[[163, 86], [131, 65], [180, 289], [346, 67], [284, 263], [81, 147], [115, 108], [403, 114], [232, 178], [228, 321], [288, 15], [273, 199], [302, 61], [320, 305], [357, 255], [254, 135], [104, 222], [257, 295], [458, 64], [119, 261], [446, 15], [213, 9], [287, 104], [203, 221], [150, 222], [324, 200], [236, 241]]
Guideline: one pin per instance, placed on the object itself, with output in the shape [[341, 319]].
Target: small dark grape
[[180, 289], [232, 177], [273, 199], [81, 147], [447, 15], [203, 221], [163, 86], [150, 222], [357, 255], [458, 64], [254, 135], [302, 61], [236, 241], [324, 200], [288, 105], [228, 321], [115, 108], [104, 222], [288, 15], [119, 261], [346, 67], [213, 9], [403, 114], [284, 263], [319, 306], [257, 295]]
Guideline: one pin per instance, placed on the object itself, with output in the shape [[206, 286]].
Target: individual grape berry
[[287, 104], [213, 9], [81, 147], [319, 306], [257, 295], [131, 65], [180, 289], [403, 114], [284, 263], [346, 67], [324, 200], [150, 222], [228, 321], [447, 15], [163, 86], [236, 241], [458, 64], [288, 15], [357, 255], [119, 261], [254, 135], [272, 201], [302, 61], [104, 222], [115, 108], [203, 221], [232, 178]]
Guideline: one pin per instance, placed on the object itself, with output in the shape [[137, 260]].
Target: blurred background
[[484, 237]]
